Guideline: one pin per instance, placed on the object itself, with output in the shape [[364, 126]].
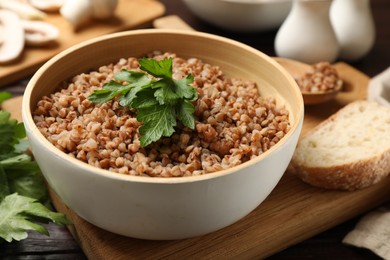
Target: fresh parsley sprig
[[159, 101], [23, 194]]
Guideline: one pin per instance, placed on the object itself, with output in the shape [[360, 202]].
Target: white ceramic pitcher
[[307, 34], [354, 27]]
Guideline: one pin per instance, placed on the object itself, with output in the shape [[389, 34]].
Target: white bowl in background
[[242, 15]]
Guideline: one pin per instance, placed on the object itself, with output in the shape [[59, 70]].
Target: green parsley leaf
[[4, 187], [10, 131], [185, 111], [136, 80], [157, 121], [158, 101], [109, 91], [165, 92], [17, 213], [184, 91], [142, 83], [25, 178], [158, 69], [23, 191], [130, 76], [4, 95], [144, 99]]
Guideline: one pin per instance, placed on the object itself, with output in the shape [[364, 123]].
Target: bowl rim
[[33, 129]]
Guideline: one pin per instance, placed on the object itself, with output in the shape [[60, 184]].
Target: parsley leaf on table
[[19, 213], [159, 101], [4, 95], [25, 178], [23, 194], [10, 131]]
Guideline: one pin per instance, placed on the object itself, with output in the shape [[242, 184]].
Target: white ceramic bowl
[[163, 208], [242, 15]]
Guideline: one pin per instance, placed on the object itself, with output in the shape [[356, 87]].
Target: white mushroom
[[25, 11], [12, 36], [78, 12], [38, 33], [47, 5]]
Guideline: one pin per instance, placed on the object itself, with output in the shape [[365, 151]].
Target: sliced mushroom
[[47, 5], [25, 11], [38, 33], [12, 36]]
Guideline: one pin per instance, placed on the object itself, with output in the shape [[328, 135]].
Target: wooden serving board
[[130, 14], [293, 212]]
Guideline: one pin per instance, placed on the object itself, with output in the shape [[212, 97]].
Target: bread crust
[[350, 176]]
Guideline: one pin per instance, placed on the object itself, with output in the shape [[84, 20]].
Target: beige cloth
[[372, 232]]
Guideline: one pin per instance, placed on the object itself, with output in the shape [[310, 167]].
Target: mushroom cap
[[38, 33], [47, 5], [12, 39], [23, 10]]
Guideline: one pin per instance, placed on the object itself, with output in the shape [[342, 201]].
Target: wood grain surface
[[130, 14], [293, 212]]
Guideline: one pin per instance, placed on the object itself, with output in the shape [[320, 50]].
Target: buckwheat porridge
[[233, 124]]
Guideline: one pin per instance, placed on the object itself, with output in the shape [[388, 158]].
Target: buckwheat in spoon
[[319, 82]]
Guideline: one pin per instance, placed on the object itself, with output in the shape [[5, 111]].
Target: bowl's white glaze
[[163, 208], [242, 15]]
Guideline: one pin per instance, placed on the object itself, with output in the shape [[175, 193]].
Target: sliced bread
[[348, 151]]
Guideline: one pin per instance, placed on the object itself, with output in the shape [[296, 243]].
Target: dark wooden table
[[61, 245]]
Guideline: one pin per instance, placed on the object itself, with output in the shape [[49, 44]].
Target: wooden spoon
[[171, 22], [298, 69]]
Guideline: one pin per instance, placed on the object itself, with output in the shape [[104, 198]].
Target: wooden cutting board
[[130, 14], [293, 212]]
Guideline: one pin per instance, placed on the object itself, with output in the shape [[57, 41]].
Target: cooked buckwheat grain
[[323, 77]]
